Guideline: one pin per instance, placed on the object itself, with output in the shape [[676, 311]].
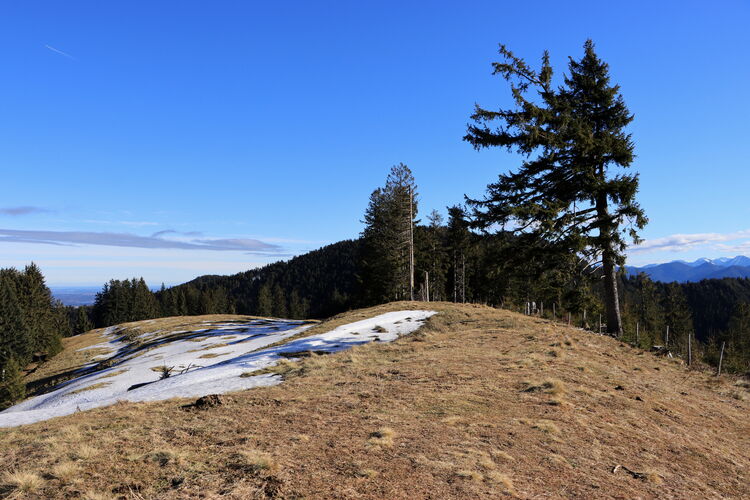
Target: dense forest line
[[32, 325], [455, 264]]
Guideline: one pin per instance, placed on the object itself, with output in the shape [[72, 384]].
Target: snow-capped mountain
[[700, 269]]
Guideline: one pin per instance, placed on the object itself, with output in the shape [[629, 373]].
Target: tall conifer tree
[[388, 237], [567, 195]]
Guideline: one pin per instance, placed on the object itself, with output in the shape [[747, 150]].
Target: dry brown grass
[[91, 387], [23, 482], [71, 358], [210, 355], [114, 373], [462, 425], [382, 437], [65, 472]]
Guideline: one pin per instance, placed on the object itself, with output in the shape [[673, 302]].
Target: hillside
[[316, 284], [478, 403]]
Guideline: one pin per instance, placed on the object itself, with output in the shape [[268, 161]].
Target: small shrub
[[164, 371]]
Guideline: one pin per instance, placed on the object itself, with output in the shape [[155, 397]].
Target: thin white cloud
[[183, 233], [246, 245], [686, 242], [23, 210], [58, 51]]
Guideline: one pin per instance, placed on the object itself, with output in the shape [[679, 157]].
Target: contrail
[[60, 52]]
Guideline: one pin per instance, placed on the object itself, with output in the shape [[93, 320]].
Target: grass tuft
[[367, 473], [382, 437], [502, 480], [92, 387], [83, 452], [472, 475], [258, 461], [24, 481], [65, 472]]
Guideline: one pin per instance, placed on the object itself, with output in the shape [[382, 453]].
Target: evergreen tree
[[61, 325], [458, 245], [296, 306], [738, 339], [279, 302], [265, 301], [83, 323], [566, 196], [648, 311], [15, 339], [678, 317], [12, 385], [434, 255], [36, 302], [388, 237]]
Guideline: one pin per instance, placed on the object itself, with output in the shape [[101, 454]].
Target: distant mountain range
[[701, 269], [75, 295]]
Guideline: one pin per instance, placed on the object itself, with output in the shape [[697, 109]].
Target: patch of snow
[[194, 375]]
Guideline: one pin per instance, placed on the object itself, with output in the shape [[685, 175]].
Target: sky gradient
[[174, 139]]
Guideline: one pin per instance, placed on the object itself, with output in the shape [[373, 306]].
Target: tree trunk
[[611, 297]]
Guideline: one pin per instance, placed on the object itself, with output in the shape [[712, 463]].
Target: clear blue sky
[[173, 139]]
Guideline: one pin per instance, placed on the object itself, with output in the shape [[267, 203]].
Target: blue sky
[[174, 139]]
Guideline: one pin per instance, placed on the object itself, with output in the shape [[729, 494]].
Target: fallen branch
[[637, 475]]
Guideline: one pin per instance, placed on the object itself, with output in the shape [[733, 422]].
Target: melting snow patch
[[134, 375]]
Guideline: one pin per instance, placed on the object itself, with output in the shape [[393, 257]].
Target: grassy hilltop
[[479, 403]]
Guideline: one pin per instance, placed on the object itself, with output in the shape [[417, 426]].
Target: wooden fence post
[[690, 349], [721, 358]]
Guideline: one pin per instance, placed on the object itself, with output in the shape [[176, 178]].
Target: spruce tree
[[677, 316], [458, 244], [36, 302], [648, 310], [570, 193], [279, 302], [15, 338], [83, 323], [387, 257], [12, 385], [435, 258], [265, 301]]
